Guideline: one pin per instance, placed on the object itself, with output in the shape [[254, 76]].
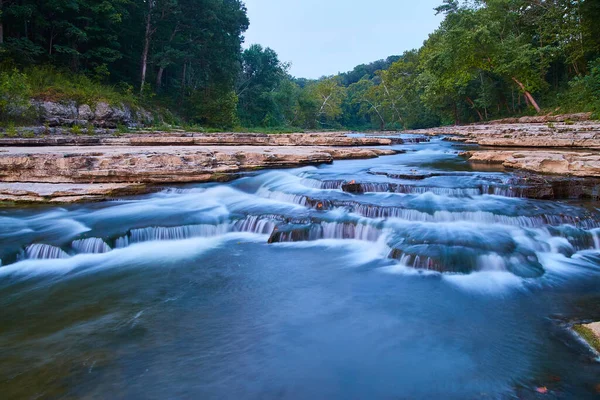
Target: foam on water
[[486, 282], [157, 253]]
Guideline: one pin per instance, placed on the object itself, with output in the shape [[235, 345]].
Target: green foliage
[[218, 108], [584, 93], [488, 59], [123, 129], [326, 97], [15, 92], [93, 51], [76, 130], [11, 131], [258, 87], [50, 84]]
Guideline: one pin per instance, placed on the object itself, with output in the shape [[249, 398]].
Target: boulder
[[85, 112], [55, 114]]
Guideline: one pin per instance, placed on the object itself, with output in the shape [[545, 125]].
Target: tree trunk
[[387, 92], [528, 96], [183, 75], [147, 36], [161, 70], [475, 108], [1, 23]]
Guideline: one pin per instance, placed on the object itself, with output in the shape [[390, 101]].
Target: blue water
[[281, 285]]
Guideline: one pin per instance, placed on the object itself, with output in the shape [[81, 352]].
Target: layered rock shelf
[[563, 145], [67, 193], [333, 139], [82, 173], [581, 164]]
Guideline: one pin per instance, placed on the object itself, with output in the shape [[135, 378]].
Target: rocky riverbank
[[563, 145], [73, 169], [332, 139]]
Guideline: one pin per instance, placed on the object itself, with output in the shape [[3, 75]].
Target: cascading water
[[286, 283], [91, 246], [44, 252]]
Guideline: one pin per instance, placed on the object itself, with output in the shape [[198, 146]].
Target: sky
[[324, 37]]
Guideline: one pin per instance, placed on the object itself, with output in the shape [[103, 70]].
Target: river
[[425, 279]]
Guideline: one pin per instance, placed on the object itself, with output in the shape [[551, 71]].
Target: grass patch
[[50, 84], [76, 130], [11, 131], [122, 129], [588, 335]]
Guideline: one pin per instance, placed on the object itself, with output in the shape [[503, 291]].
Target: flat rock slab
[[108, 171], [66, 192], [580, 164], [594, 327], [201, 139], [584, 135]]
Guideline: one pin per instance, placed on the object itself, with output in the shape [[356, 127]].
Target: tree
[[328, 94], [260, 77]]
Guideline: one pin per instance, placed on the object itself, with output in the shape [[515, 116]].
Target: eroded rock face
[[100, 114]]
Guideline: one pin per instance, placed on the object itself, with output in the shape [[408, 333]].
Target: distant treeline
[[488, 59]]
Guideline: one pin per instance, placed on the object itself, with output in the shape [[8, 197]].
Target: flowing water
[[411, 276]]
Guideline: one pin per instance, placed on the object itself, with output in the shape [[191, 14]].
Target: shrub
[[15, 93], [11, 131], [76, 130], [51, 84], [584, 91]]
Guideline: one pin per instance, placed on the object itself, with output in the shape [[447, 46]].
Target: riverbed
[[414, 276]]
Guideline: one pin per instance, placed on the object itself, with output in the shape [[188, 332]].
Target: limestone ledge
[[579, 164], [575, 135], [330, 139], [66, 193], [96, 173]]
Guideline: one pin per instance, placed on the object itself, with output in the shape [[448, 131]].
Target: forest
[[488, 59]]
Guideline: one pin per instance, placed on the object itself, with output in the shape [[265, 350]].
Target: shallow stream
[[413, 276]]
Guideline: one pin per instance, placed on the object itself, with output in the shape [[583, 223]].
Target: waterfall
[[440, 191], [281, 196], [325, 185], [172, 233], [484, 217], [122, 242], [254, 224], [44, 252], [326, 230], [337, 230], [263, 224], [91, 246], [596, 238]]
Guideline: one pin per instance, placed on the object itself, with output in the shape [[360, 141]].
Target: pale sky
[[324, 37]]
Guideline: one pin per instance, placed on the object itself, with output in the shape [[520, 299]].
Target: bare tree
[[147, 38]]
